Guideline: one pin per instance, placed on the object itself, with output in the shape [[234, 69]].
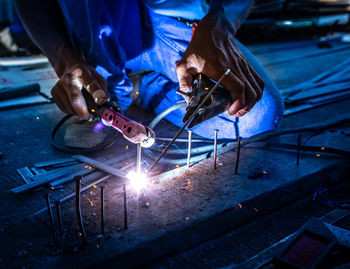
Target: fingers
[[243, 83], [237, 91], [97, 93], [250, 100], [72, 86], [90, 79], [67, 92], [256, 81], [253, 89], [61, 99], [185, 77]]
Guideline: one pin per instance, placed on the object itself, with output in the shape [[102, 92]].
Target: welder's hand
[[67, 95], [211, 52]]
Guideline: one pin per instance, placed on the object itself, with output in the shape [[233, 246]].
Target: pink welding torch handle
[[132, 130]]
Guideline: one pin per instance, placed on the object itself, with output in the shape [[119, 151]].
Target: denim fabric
[[114, 35], [187, 9]]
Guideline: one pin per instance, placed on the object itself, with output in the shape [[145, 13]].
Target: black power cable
[[108, 141]]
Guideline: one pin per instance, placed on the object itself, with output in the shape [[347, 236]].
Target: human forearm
[[44, 23], [213, 50]]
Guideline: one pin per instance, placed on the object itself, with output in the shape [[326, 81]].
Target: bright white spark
[[137, 180]]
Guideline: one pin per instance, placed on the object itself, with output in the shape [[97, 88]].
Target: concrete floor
[[199, 201]]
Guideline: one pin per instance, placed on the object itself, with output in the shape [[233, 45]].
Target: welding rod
[[298, 149], [60, 224], [78, 208], [215, 147], [49, 210], [189, 148], [102, 211], [190, 118], [238, 153], [138, 158], [125, 208]]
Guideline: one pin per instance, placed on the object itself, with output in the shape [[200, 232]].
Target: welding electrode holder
[[216, 104], [190, 117]]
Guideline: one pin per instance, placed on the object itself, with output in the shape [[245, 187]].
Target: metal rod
[[189, 148], [52, 224], [60, 224], [215, 147], [102, 211], [190, 118], [236, 127], [78, 208], [125, 208], [138, 158], [298, 149], [204, 140], [73, 194], [100, 165], [238, 153]]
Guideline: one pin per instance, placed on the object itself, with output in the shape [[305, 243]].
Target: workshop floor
[[24, 140]]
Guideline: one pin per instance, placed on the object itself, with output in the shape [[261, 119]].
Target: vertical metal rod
[[60, 224], [215, 147], [125, 208], [238, 153], [236, 127], [52, 224], [102, 211], [189, 148], [298, 149], [138, 158], [78, 208]]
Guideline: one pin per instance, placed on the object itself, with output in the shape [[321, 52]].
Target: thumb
[[185, 78]]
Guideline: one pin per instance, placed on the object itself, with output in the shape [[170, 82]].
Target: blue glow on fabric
[[105, 30], [130, 36], [103, 72]]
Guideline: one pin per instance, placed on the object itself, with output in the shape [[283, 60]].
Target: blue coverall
[[115, 36]]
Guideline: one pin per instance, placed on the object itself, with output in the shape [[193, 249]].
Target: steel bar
[[316, 103], [78, 208], [46, 178], [38, 171], [320, 149], [298, 148], [305, 55], [125, 208], [54, 162], [52, 224], [88, 171], [25, 174], [101, 166], [138, 158], [190, 118], [60, 224], [68, 178], [102, 211], [238, 153], [189, 148], [215, 147]]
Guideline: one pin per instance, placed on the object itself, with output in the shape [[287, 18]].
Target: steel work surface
[[180, 213]]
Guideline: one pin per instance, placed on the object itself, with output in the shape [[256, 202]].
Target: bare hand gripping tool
[[218, 101], [110, 116]]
